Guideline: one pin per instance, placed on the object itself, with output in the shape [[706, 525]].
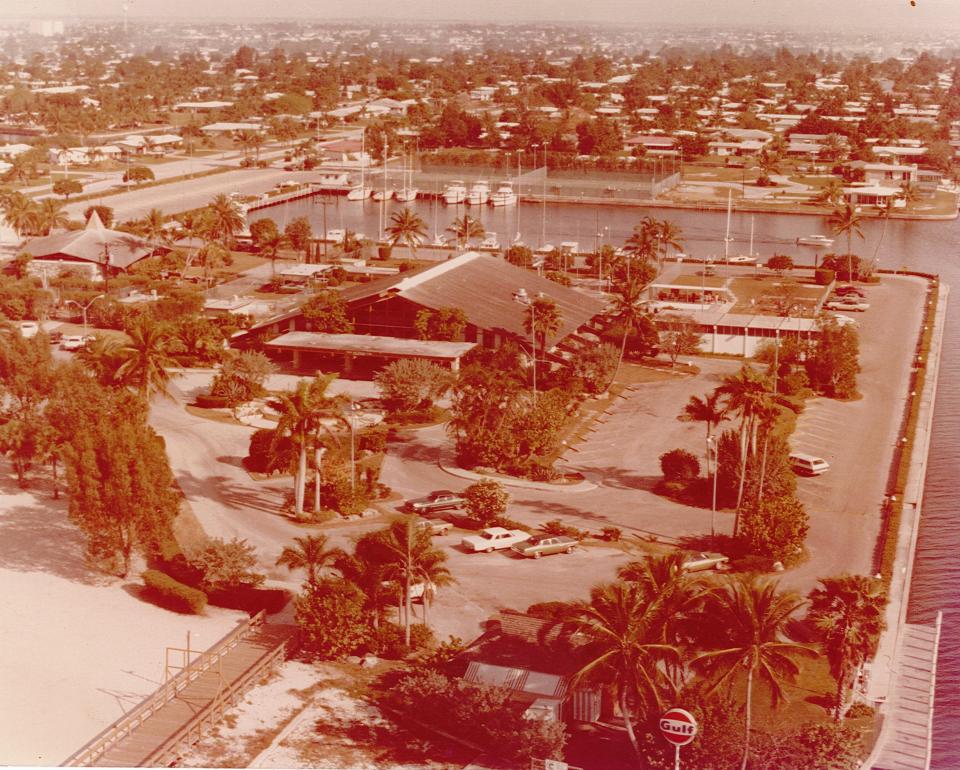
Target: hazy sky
[[928, 14]]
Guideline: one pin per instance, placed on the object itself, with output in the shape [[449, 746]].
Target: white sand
[[79, 649]]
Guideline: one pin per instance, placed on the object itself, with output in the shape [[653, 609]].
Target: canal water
[[927, 246]]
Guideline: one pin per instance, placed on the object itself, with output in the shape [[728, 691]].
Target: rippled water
[[928, 246]]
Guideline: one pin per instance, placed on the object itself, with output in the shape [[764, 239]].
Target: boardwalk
[[909, 713], [188, 705]]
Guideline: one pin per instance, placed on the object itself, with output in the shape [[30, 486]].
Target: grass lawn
[[754, 294], [710, 281]]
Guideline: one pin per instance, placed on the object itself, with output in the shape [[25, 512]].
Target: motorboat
[[815, 240], [479, 194], [503, 195], [456, 192], [490, 242]]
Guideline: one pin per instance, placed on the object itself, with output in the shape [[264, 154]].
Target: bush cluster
[[173, 594]]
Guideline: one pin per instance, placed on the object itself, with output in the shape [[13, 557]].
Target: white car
[[843, 320], [741, 259], [494, 539], [847, 304], [72, 342], [29, 329]]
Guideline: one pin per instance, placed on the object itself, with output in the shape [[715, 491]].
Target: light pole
[[83, 310], [353, 458], [521, 297], [712, 450]]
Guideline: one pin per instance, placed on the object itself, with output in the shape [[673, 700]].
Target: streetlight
[[521, 297], [83, 309], [712, 450], [353, 459]]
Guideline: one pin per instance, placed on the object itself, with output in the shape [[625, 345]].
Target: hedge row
[[888, 539], [173, 594]]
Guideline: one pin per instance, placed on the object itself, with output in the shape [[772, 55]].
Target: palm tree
[[624, 648], [152, 227], [831, 193], [224, 219], [146, 359], [744, 624], [768, 163], [642, 241], [846, 219], [191, 227], [407, 227], [51, 216], [413, 558], [708, 410], [246, 139], [20, 212], [20, 169], [466, 228], [102, 356], [669, 236], [848, 612], [309, 553], [746, 393], [299, 411], [542, 320]]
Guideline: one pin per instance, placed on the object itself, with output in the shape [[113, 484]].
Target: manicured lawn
[[753, 293]]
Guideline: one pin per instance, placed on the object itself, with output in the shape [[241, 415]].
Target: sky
[[926, 14]]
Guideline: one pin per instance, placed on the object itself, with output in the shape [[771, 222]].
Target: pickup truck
[[493, 539]]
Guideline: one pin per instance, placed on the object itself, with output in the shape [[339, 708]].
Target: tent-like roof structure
[[94, 243]]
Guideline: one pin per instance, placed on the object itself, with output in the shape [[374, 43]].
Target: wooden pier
[[190, 703]]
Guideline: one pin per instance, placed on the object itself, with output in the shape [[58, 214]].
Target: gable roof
[[94, 243], [484, 287]]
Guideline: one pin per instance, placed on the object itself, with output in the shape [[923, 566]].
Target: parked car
[[438, 500], [544, 545], [741, 259], [805, 464], [28, 329], [697, 562], [843, 320], [73, 342], [708, 270], [848, 290], [847, 304], [494, 539], [434, 526]]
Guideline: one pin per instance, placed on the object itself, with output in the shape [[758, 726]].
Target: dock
[[193, 701]]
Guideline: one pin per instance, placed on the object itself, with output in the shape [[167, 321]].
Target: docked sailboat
[[409, 192], [479, 193], [503, 195], [455, 192], [362, 192], [383, 195]]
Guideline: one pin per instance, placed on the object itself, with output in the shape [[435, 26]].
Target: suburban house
[[885, 173], [95, 250], [493, 295]]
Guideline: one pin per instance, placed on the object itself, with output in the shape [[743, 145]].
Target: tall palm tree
[[21, 169], [831, 193], [407, 227], [246, 140], [103, 357], [746, 393], [848, 613], [624, 647], [414, 558], [542, 320], [299, 411], [191, 227], [669, 236], [152, 227], [146, 359], [466, 228], [768, 163], [642, 242], [224, 219], [51, 216], [310, 553], [846, 219], [709, 410], [627, 307], [746, 621]]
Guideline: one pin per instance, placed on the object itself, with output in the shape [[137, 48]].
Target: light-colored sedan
[[847, 304], [544, 545], [696, 562], [741, 259], [434, 526], [72, 342], [493, 539]]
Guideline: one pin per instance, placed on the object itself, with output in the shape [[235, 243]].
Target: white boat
[[490, 242], [383, 195], [359, 193], [503, 195], [456, 192], [815, 240], [407, 194], [479, 194]]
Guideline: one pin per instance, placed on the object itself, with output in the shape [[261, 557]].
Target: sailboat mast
[[751, 235], [726, 239]]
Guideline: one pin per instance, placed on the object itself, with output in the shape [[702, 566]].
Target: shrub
[[776, 528], [388, 641], [333, 622], [595, 366], [268, 453], [226, 564], [412, 384], [611, 534], [210, 401], [241, 377], [824, 277], [557, 527], [251, 600], [752, 563], [486, 500], [859, 710], [173, 594], [506, 523], [679, 466], [373, 439]]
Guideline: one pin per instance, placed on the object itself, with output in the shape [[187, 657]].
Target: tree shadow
[[233, 460], [616, 478], [37, 536], [252, 496]]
